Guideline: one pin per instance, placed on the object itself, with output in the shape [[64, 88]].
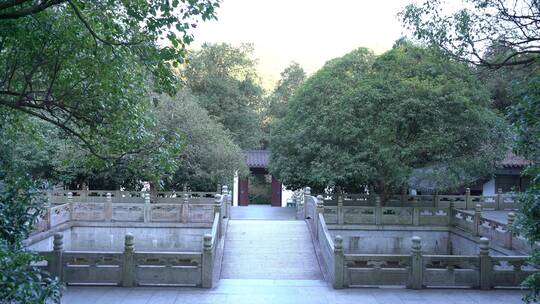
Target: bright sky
[[309, 32]]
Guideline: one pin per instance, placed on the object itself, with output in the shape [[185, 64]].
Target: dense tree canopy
[[76, 77], [366, 121], [210, 156], [468, 32], [224, 80], [503, 37]]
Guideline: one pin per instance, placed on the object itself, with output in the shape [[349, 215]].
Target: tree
[[468, 33], [292, 77], [210, 156], [87, 68], [365, 121], [224, 80]]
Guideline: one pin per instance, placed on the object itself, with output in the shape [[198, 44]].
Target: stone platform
[[283, 292]]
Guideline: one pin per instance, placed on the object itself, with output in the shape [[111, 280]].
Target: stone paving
[[270, 258], [283, 292], [264, 249], [262, 212]]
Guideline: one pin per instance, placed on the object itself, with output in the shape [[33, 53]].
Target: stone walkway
[[262, 212], [282, 292], [269, 249], [271, 259]]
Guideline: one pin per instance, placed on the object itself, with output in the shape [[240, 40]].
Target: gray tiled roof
[[257, 158]]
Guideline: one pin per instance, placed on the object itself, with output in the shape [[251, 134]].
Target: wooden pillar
[[276, 192], [243, 192]]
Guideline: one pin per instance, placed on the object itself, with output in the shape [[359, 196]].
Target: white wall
[[489, 188], [285, 195], [235, 189]]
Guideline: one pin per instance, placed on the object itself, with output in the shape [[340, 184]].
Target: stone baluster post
[[307, 192], [320, 212], [509, 230], [416, 276], [416, 216], [207, 267], [56, 263], [378, 213], [477, 219], [340, 216], [468, 200], [108, 207], [217, 203], [147, 208], [451, 214], [499, 200], [72, 205], [128, 266], [225, 193], [185, 208], [339, 260], [229, 203], [485, 264]]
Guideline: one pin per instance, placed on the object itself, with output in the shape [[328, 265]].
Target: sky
[[309, 32]]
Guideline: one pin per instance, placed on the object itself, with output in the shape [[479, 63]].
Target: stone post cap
[[484, 245], [416, 243], [468, 191], [511, 216], [224, 189], [338, 242], [207, 241], [129, 244], [307, 191], [58, 242], [320, 200], [217, 198], [478, 208]]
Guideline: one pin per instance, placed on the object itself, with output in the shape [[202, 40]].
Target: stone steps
[[269, 249]]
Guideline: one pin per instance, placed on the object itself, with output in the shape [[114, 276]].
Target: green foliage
[[22, 283], [526, 117], [468, 32], [292, 77], [224, 80], [74, 101], [86, 66], [366, 121], [210, 156]]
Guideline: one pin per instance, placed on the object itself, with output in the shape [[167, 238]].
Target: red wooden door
[[276, 192], [243, 192]]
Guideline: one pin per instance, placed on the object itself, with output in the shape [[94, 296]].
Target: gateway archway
[[257, 161]]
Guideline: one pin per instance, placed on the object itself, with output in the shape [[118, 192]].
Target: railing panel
[[88, 212], [376, 269], [153, 268], [451, 271], [165, 213], [510, 271], [397, 216], [124, 212], [60, 214], [94, 268], [433, 216], [358, 215]]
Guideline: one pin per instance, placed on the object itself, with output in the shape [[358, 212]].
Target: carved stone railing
[[190, 210], [418, 271], [134, 268], [101, 196], [500, 201]]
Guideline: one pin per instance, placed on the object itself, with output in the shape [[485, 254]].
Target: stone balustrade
[[134, 268], [190, 209], [500, 201], [416, 270]]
